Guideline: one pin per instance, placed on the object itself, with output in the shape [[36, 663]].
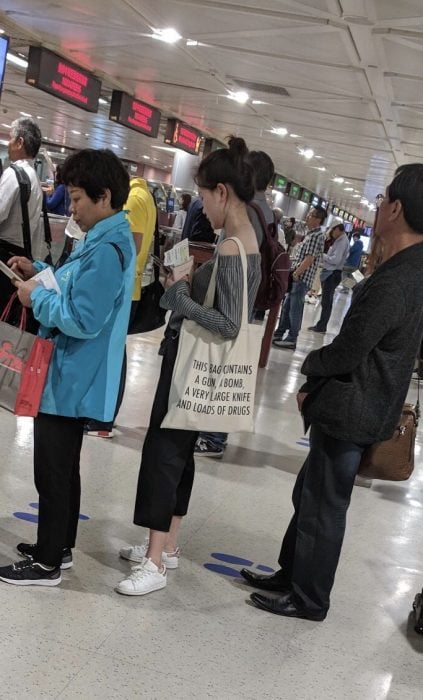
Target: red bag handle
[[7, 309]]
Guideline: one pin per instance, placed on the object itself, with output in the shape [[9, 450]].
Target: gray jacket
[[357, 385]]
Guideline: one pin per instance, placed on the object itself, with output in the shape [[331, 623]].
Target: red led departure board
[[182, 136], [58, 76], [128, 111]]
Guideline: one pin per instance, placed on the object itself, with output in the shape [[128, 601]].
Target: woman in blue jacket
[[59, 201], [88, 322]]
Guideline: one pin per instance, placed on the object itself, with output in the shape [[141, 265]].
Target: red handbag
[[24, 362]]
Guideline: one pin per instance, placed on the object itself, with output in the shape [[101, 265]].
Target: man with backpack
[[304, 268], [23, 146]]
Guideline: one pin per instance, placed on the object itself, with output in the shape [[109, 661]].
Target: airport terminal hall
[[211, 350]]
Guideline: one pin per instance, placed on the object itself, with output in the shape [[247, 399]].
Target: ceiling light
[[364, 201], [102, 101], [86, 134], [239, 96], [1, 31], [295, 136], [115, 145], [169, 35], [62, 150], [348, 189], [125, 148], [259, 102], [338, 179], [318, 156], [147, 157], [322, 169], [192, 42], [279, 130], [356, 196], [7, 126], [308, 153], [38, 117], [21, 62], [74, 131]]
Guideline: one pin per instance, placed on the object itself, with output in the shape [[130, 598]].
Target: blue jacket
[[91, 316], [354, 256], [58, 202]]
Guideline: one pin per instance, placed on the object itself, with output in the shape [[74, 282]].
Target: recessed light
[[25, 114], [322, 169], [338, 179], [125, 148], [295, 136], [356, 196], [191, 42], [1, 31], [169, 35], [279, 130], [21, 62], [147, 157], [364, 201], [115, 145], [307, 153], [38, 117], [7, 126], [239, 96], [258, 102], [86, 134], [348, 189], [318, 156], [102, 101], [74, 131]]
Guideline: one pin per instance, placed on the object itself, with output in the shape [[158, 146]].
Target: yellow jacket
[[141, 214]]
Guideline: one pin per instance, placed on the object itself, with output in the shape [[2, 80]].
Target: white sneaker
[[144, 578], [138, 551]]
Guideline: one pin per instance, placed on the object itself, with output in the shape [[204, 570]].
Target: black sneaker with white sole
[[30, 573], [28, 550]]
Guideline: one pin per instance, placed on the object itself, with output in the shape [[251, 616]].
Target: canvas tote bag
[[214, 379]]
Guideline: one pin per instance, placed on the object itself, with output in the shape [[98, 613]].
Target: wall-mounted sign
[[341, 213], [58, 76], [324, 203], [351, 217], [211, 145], [335, 211], [137, 115], [306, 196], [279, 182], [4, 47], [315, 201], [294, 190], [182, 136]]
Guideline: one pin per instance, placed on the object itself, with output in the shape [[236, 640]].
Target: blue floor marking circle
[[231, 559]]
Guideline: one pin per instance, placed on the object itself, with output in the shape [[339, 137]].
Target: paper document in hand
[[180, 271], [47, 279], [178, 255]]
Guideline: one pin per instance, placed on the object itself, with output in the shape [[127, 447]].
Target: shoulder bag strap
[[156, 246], [211, 291], [261, 218], [25, 191]]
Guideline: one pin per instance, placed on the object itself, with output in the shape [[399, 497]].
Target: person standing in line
[[57, 201], [225, 181], [304, 266], [141, 213], [289, 231], [352, 398], [331, 274], [87, 322], [23, 146], [214, 444], [353, 260], [181, 214]]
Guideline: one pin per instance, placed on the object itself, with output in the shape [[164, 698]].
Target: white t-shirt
[[11, 212]]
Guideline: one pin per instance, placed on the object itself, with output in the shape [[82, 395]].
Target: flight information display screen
[[56, 75], [294, 190], [183, 136], [4, 46], [134, 114]]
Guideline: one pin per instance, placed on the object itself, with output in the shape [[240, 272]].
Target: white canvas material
[[214, 378]]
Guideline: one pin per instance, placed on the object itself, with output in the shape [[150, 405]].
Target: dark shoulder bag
[[149, 315]]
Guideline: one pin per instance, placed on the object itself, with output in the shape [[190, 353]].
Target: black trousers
[[7, 250], [57, 449], [167, 464], [328, 290], [312, 543]]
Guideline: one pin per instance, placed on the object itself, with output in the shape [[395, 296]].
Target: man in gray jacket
[[331, 275], [353, 397]]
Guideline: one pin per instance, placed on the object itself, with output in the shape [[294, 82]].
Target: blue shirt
[[354, 256]]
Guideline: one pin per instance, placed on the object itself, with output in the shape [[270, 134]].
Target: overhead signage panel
[[294, 190], [4, 47], [137, 115], [306, 196], [315, 200], [56, 75], [183, 136], [280, 182]]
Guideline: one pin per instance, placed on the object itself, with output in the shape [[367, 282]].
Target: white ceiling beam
[[306, 28]]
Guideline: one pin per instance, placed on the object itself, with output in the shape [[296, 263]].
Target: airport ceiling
[[343, 77]]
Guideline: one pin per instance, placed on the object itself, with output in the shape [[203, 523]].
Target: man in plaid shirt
[[304, 266]]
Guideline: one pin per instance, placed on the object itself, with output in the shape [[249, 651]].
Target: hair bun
[[238, 146]]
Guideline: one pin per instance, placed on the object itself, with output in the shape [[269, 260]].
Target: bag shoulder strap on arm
[[265, 226], [25, 192], [156, 246], [120, 254]]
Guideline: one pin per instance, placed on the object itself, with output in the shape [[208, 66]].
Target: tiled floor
[[198, 638]]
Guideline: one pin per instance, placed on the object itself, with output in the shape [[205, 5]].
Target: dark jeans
[[167, 464], [57, 449], [321, 496], [292, 312], [328, 290], [215, 440]]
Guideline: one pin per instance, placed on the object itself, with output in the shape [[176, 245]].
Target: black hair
[[58, 177], [321, 213], [96, 171], [186, 201], [292, 220], [407, 187], [229, 167], [356, 234], [26, 129], [263, 167], [340, 226]]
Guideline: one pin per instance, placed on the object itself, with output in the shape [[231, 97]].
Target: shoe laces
[[139, 571], [202, 444], [23, 564]]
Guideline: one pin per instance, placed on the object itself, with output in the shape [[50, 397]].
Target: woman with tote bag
[[225, 182]]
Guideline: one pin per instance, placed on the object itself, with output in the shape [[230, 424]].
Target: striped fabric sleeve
[[225, 318]]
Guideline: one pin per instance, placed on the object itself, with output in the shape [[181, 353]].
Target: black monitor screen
[[4, 46]]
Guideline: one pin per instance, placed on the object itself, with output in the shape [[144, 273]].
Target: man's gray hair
[[29, 132]]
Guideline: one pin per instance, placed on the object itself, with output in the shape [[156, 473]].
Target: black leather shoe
[[286, 606], [316, 329], [273, 582]]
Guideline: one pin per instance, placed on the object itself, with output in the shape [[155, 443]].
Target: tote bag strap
[[211, 291]]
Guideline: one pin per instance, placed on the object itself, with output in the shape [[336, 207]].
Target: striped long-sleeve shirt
[[225, 316]]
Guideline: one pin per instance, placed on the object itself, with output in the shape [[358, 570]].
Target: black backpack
[[275, 265], [25, 192]]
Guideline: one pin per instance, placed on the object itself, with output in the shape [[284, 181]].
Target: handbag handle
[[211, 291], [8, 308]]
